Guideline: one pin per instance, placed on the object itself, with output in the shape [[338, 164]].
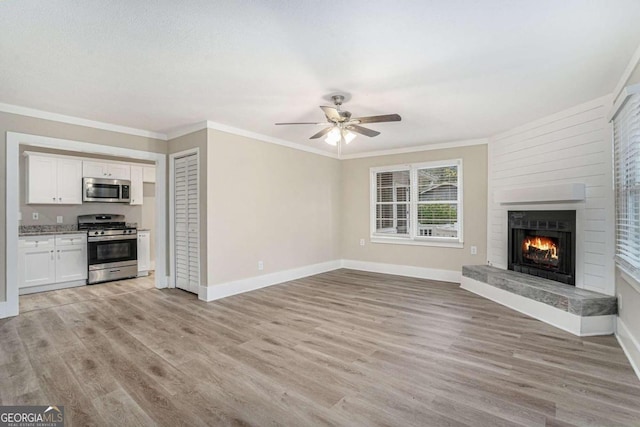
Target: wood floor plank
[[340, 348]]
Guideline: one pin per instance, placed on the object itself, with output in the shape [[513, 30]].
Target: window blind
[[626, 136]]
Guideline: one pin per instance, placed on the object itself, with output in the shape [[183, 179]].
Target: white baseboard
[[630, 345], [51, 287], [404, 270], [212, 293], [577, 325]]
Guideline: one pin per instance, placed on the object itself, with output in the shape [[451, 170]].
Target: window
[[417, 204], [626, 132]]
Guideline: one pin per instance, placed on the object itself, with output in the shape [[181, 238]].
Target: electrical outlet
[[361, 242], [260, 265], [34, 216], [474, 250], [59, 219]]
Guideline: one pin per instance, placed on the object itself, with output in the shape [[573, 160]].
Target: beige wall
[[34, 126], [355, 212], [193, 140], [270, 203]]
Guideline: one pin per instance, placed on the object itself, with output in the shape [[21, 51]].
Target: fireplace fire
[[542, 243], [541, 250]]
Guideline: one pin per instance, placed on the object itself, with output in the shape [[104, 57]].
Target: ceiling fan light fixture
[[333, 137], [348, 136]]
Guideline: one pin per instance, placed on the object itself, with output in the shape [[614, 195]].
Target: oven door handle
[[106, 238]]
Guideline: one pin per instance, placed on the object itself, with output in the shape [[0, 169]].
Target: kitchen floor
[[42, 300]]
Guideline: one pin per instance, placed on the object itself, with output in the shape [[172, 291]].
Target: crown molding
[[61, 118], [427, 147], [208, 124], [631, 66], [270, 139]]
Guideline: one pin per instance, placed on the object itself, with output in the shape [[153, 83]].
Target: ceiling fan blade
[[363, 131], [304, 123], [322, 133], [332, 113], [379, 119]]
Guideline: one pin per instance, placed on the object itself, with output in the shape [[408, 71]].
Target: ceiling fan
[[341, 127]]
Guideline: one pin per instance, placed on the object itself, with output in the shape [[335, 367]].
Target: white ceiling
[[454, 69]]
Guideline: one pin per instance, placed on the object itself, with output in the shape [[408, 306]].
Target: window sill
[[412, 242], [628, 277]]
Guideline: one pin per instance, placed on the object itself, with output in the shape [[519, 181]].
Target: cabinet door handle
[[54, 199], [60, 198], [51, 254]]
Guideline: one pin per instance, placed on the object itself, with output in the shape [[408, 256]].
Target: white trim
[[46, 115], [223, 290], [186, 130], [572, 323], [426, 147], [418, 241], [622, 100], [11, 306], [404, 270], [631, 66], [171, 282], [575, 192], [248, 134], [629, 345]]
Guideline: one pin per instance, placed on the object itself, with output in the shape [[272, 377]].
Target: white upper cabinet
[[136, 185], [53, 180], [91, 169]]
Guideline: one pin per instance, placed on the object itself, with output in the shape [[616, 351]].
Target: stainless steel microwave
[[106, 190]]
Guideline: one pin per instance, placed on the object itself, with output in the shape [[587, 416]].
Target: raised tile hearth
[[575, 310]]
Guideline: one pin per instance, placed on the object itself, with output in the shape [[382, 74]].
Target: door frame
[[172, 217], [10, 307]]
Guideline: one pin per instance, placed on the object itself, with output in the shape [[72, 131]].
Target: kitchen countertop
[[50, 233], [144, 229], [48, 230]]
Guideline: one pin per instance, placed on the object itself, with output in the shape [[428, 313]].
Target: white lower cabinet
[[71, 258], [144, 253], [36, 261], [51, 262]]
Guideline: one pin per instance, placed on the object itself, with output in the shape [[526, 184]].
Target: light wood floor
[[340, 348]]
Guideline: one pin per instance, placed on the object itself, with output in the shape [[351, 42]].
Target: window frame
[[626, 192], [412, 237]]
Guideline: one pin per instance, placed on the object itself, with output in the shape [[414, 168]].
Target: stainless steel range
[[112, 247]]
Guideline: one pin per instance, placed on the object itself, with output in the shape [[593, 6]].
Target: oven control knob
[[95, 232], [102, 232]]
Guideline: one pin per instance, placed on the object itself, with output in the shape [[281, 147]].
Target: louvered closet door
[[187, 227]]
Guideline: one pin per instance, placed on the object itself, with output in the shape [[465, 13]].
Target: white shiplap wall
[[573, 146]]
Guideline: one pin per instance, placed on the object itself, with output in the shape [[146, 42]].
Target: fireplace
[[543, 243]]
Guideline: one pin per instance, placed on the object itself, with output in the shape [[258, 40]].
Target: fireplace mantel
[[543, 194]]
